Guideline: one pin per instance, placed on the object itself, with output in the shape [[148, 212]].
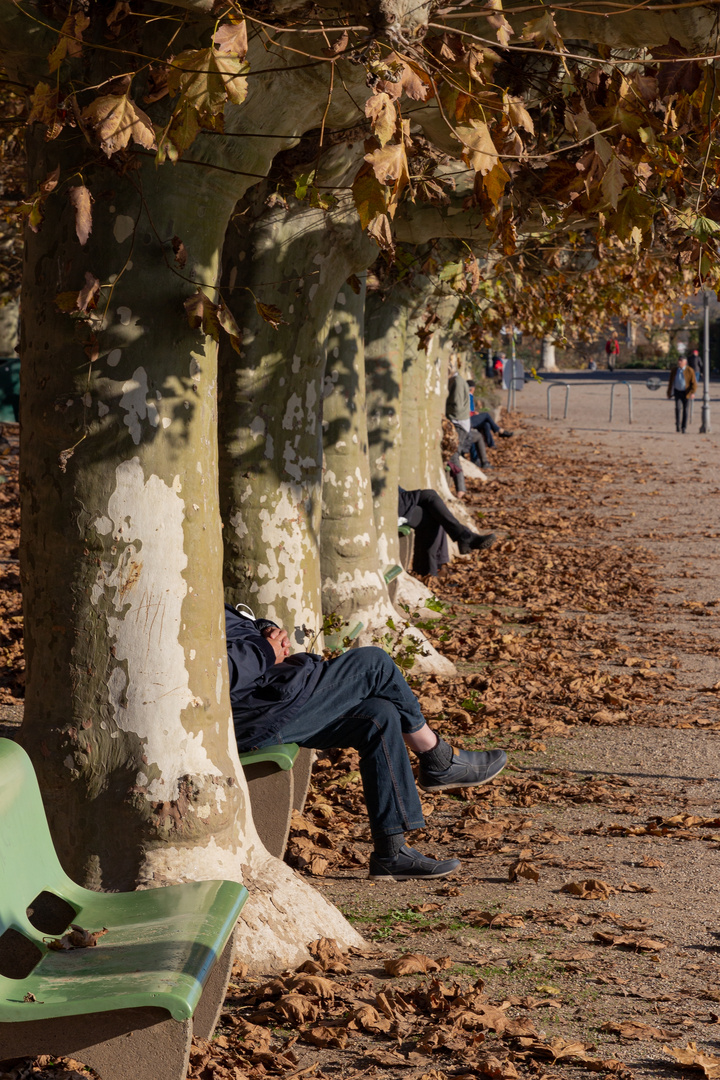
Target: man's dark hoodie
[[264, 695]]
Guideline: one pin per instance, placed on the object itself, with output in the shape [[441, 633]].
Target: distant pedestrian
[[695, 362], [499, 367], [592, 366], [682, 384], [612, 351]]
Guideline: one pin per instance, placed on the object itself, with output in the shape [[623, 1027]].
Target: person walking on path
[[683, 385], [612, 351]]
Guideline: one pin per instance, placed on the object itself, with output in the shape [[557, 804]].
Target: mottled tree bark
[[353, 585], [271, 404]]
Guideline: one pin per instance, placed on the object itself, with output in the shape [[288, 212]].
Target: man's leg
[[468, 439], [363, 701], [678, 409], [684, 409], [435, 511], [484, 423]]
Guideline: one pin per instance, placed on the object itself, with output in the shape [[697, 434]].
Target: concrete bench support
[[278, 779]]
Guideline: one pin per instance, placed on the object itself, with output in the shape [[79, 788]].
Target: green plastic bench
[[407, 545], [278, 778], [129, 1006]]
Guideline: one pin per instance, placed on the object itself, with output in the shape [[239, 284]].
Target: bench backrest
[[28, 862]]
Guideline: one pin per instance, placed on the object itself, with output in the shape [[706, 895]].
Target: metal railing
[[623, 382], [553, 386]]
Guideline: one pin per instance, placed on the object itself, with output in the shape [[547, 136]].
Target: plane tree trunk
[[296, 258], [353, 585], [127, 715], [386, 342]]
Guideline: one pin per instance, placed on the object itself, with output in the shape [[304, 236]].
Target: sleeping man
[[359, 699]]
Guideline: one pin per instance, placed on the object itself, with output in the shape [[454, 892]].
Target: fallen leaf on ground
[[632, 1029], [697, 1059], [591, 889], [411, 964]]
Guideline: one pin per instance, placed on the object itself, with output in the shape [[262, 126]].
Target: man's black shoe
[[468, 768], [409, 863], [478, 542], [506, 434]]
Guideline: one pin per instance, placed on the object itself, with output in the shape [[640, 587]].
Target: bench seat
[[128, 1006], [278, 778]]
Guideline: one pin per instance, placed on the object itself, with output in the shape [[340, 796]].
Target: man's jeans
[[681, 409], [486, 426], [363, 701]]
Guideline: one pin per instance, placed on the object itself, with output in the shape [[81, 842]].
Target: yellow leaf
[[389, 163], [208, 80], [494, 183], [519, 116], [543, 31], [479, 151], [382, 115]]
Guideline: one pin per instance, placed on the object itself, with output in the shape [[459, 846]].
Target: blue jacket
[[264, 695]]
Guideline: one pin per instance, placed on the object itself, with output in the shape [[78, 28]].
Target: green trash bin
[[10, 388]]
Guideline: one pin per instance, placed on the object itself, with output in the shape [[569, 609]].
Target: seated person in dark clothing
[[426, 513], [358, 699], [484, 423]]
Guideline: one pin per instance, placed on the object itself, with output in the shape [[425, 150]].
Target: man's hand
[[279, 640]]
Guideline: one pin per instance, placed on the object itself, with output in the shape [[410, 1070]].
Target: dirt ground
[[582, 933]]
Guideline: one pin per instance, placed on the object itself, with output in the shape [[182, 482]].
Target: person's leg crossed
[[375, 730]]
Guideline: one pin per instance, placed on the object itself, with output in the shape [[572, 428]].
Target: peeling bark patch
[[135, 402], [140, 586], [123, 228]]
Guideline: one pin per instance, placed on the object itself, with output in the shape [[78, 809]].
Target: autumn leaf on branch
[[383, 117], [81, 200], [116, 119], [543, 31], [80, 302], [70, 41], [499, 23], [270, 314], [203, 314], [44, 109], [231, 39], [207, 80], [479, 150], [369, 195]]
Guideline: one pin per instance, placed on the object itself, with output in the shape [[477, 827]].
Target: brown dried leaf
[[631, 1029], [314, 984], [383, 117], [522, 868], [698, 1059], [591, 889], [297, 1008], [76, 938], [180, 251], [81, 200], [231, 39], [410, 964], [270, 314], [629, 941], [366, 1018], [116, 120]]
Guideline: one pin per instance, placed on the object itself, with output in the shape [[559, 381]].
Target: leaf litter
[[499, 972]]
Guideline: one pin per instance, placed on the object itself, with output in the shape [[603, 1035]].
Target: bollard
[[567, 395], [622, 382]]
